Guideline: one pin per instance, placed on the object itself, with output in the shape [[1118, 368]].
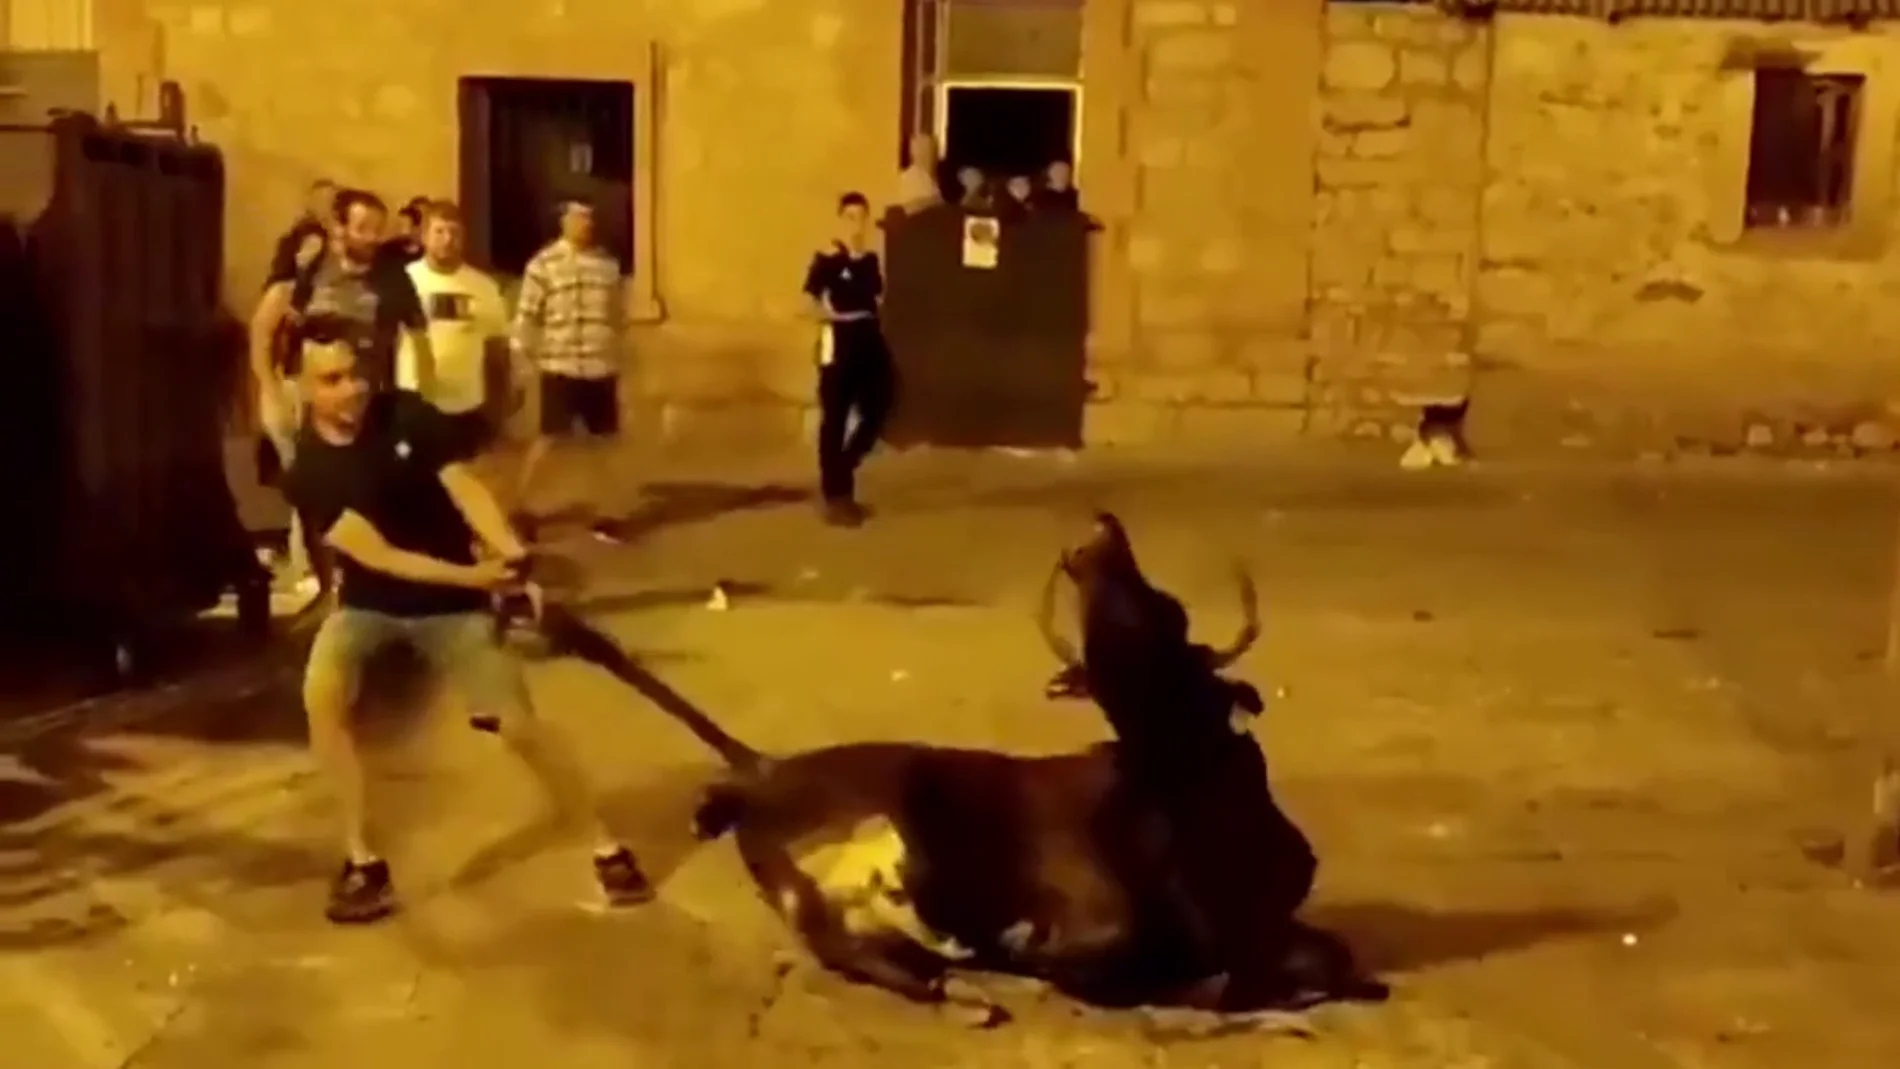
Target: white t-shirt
[[465, 309]]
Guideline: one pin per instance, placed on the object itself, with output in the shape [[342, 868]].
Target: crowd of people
[[929, 180], [384, 364]]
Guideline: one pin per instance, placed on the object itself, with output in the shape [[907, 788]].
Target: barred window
[[1801, 149]]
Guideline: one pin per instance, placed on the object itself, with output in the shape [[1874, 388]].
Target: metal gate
[[123, 359], [990, 350]]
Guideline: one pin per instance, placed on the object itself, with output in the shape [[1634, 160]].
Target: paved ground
[[1557, 733]]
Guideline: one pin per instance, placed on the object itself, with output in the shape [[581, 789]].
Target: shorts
[[460, 648], [471, 433], [567, 400]]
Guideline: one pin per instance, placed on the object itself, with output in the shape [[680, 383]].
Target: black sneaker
[[361, 894], [843, 512], [621, 880]]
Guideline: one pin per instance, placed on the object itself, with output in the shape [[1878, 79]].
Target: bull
[[901, 865], [1187, 753]]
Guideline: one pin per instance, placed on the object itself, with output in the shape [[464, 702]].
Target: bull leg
[[903, 969]]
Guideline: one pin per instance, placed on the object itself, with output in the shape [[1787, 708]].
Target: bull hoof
[[975, 1015], [968, 1006]]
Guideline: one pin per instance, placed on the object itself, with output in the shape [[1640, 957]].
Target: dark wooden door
[[988, 356]]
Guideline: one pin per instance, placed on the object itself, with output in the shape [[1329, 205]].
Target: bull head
[[1103, 567]]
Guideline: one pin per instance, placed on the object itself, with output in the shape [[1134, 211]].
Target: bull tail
[[569, 634]]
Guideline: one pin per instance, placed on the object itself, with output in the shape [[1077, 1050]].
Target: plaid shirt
[[570, 315]]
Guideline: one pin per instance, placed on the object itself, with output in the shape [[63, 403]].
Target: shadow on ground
[[1393, 937], [673, 504]]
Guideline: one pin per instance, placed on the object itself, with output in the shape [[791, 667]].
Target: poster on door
[[981, 241]]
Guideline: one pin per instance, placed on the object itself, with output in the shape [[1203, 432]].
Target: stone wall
[[1617, 300], [1397, 182], [1214, 240]]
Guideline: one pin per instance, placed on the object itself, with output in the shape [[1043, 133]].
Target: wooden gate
[[124, 356], [988, 355]]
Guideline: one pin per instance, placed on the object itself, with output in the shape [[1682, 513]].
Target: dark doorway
[[1009, 130], [527, 145]]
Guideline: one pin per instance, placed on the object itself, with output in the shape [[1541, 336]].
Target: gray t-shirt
[[375, 303]]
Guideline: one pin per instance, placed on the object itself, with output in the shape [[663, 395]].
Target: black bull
[[897, 862]]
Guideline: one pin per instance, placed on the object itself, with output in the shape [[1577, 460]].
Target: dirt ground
[[1559, 734]]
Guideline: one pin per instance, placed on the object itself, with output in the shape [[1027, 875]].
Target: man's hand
[[494, 575], [309, 250]]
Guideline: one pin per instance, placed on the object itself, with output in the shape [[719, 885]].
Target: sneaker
[[621, 880], [361, 894], [843, 513]]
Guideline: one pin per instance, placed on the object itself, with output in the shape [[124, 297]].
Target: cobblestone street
[[1559, 734]]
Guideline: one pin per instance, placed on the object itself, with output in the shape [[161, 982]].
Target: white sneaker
[[1445, 453], [1418, 456]]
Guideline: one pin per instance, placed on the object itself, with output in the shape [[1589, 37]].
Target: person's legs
[[344, 642], [836, 485], [463, 650], [282, 432], [874, 389], [597, 403], [557, 422]]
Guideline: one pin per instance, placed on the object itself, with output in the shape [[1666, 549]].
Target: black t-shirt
[[851, 283], [390, 476]]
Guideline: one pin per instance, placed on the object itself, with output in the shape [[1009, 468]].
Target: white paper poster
[[980, 236]]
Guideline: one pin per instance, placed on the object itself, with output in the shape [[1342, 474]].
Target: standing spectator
[[342, 282], [974, 190], [919, 185], [309, 232], [845, 286], [1058, 192], [1017, 193], [571, 323], [466, 316], [404, 247]]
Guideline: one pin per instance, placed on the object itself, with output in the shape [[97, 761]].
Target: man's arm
[[356, 538], [530, 306], [816, 281], [483, 514], [271, 309]]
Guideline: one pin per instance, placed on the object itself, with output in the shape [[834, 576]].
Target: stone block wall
[[1617, 300], [1214, 241], [1397, 182]]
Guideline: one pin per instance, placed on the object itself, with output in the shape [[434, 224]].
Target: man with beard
[[343, 283], [467, 318], [376, 479]]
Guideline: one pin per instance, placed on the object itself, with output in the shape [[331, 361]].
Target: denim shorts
[[460, 648]]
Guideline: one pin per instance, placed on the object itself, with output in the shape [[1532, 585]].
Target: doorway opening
[[534, 143], [1009, 128]]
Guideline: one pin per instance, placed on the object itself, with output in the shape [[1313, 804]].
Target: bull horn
[[1249, 624], [1046, 621]]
